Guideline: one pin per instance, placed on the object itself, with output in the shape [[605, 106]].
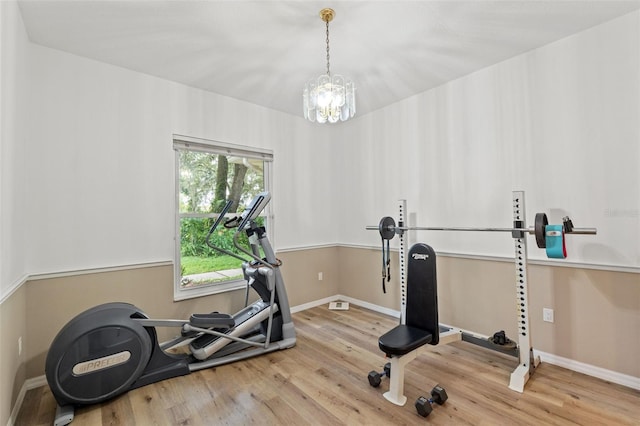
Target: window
[[208, 174]]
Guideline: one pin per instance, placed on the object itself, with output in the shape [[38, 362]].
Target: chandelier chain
[[328, 73]]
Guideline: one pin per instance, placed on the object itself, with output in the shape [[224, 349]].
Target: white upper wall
[[97, 188], [101, 173], [561, 122], [13, 122]]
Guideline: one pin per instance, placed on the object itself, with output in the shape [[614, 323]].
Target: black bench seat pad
[[403, 339]]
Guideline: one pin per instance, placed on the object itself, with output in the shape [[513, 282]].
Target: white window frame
[[181, 142]]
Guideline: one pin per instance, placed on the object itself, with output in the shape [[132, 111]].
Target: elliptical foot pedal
[[213, 319]]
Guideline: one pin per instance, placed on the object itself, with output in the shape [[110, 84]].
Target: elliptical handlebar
[[251, 212], [219, 218], [213, 228]]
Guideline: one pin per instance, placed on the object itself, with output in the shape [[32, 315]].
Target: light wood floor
[[323, 381]]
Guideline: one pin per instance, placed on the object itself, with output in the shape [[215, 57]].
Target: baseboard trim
[[305, 306], [370, 306], [590, 370], [340, 297], [28, 384]]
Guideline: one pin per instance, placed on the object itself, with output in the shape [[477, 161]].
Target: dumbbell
[[375, 378], [424, 405]]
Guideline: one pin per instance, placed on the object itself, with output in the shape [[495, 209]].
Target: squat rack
[[527, 360]]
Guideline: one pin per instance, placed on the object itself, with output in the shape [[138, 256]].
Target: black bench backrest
[[422, 291]]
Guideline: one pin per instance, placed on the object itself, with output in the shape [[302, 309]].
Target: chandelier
[[329, 98]]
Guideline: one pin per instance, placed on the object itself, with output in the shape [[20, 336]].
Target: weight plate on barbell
[[387, 228], [540, 224]]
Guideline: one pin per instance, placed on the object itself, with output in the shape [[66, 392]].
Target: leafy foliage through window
[[208, 176]]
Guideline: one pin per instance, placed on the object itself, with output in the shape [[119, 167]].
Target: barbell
[[388, 229]]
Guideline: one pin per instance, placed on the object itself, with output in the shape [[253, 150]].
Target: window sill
[[208, 290]]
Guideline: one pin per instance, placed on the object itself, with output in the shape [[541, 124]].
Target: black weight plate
[[387, 228], [540, 224]]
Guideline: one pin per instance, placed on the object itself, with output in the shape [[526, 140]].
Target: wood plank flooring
[[322, 381]]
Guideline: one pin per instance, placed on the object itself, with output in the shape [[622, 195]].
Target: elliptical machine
[[113, 348]]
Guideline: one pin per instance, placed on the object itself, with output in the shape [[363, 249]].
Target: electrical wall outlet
[[320, 276], [19, 345], [547, 314]]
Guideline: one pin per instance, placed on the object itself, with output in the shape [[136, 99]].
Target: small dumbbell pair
[[438, 396], [375, 378]]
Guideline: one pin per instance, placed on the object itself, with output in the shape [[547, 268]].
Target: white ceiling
[[264, 51]]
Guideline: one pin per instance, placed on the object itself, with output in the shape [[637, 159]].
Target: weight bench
[[421, 327]]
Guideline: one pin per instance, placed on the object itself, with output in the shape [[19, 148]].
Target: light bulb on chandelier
[[329, 98]]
